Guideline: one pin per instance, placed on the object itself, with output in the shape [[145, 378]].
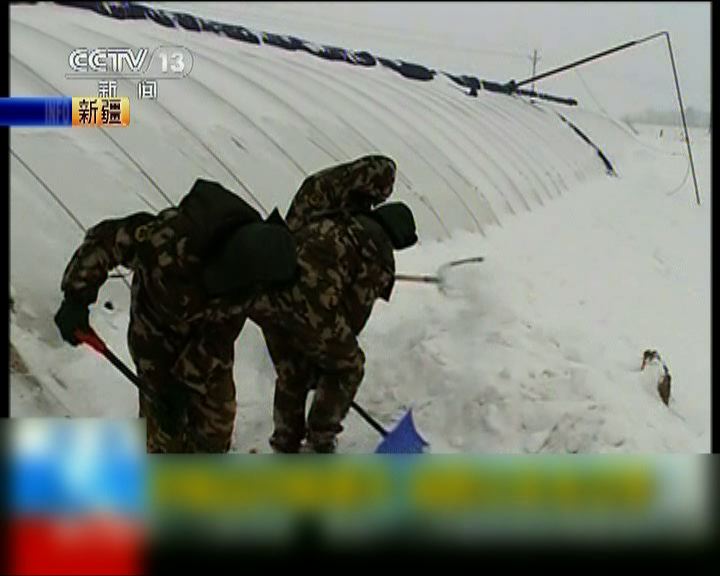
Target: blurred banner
[[84, 498], [77, 496], [348, 502]]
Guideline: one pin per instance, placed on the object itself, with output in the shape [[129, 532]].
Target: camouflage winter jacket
[[345, 263], [165, 252]]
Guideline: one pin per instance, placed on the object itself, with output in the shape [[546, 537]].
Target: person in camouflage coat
[[183, 321], [345, 262]]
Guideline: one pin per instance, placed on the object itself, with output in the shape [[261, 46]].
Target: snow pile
[[540, 348]]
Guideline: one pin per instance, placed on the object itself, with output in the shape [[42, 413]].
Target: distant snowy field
[[537, 349]]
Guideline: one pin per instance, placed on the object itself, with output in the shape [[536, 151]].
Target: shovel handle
[[369, 419], [90, 338], [440, 276], [420, 278]]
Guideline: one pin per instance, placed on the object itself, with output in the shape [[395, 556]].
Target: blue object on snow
[[403, 439]]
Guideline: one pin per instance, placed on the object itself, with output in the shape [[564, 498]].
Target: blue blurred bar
[[75, 468], [36, 111]]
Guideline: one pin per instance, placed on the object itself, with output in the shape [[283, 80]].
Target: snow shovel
[[95, 342], [91, 338], [403, 439], [441, 277]]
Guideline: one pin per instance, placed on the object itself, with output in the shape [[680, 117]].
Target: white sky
[[494, 41], [503, 35]]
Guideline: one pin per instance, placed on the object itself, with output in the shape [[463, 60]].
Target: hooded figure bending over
[[195, 269], [345, 244]]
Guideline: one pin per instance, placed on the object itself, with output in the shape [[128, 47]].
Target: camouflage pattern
[[193, 405], [311, 327], [181, 341], [357, 185]]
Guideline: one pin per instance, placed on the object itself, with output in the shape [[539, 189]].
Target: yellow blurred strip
[[202, 488], [428, 487], [549, 488]]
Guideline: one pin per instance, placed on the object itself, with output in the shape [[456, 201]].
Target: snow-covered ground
[[537, 349]]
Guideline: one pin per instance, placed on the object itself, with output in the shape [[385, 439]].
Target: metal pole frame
[[592, 57]]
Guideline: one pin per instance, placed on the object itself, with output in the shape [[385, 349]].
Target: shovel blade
[[403, 439], [442, 274]]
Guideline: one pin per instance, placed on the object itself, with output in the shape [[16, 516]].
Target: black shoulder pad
[[214, 210]]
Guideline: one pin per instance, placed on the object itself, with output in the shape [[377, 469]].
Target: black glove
[[72, 316]]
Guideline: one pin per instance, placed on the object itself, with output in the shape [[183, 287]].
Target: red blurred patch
[[76, 546]]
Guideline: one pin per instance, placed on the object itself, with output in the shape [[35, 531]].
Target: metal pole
[[516, 85], [588, 59], [682, 112], [535, 59]]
